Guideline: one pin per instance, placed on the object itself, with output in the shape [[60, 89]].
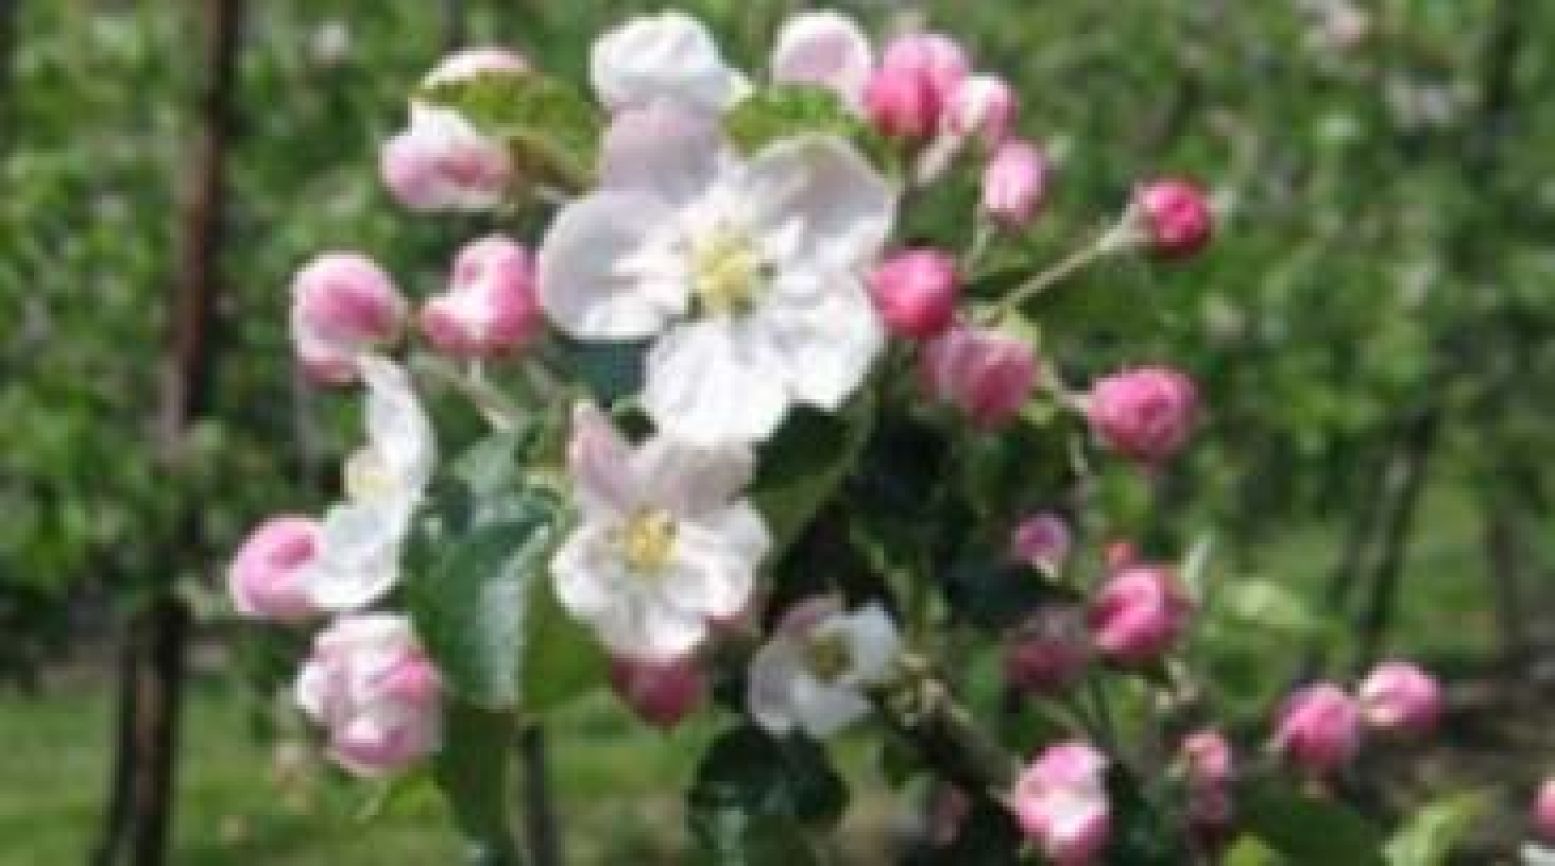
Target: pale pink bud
[[660, 693], [1176, 217], [1139, 614], [935, 59], [1042, 541], [915, 292], [490, 307], [342, 305], [442, 163], [1211, 766], [1145, 414], [825, 49], [984, 106], [1319, 729], [468, 63], [1400, 697], [986, 374], [370, 685], [1014, 182], [1049, 651], [900, 104], [267, 576], [1544, 812], [1060, 802]]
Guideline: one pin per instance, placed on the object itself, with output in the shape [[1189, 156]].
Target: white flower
[[664, 544], [670, 56], [360, 538], [1536, 855], [827, 49], [748, 272], [813, 673]]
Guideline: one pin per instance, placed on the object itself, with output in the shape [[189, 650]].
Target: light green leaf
[[1433, 831], [787, 110], [552, 130]]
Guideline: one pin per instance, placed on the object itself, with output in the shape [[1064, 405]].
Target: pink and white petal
[[586, 573], [662, 149], [600, 462], [707, 576], [710, 383], [588, 286], [667, 56], [311, 691], [691, 480], [826, 331], [814, 198], [827, 49]]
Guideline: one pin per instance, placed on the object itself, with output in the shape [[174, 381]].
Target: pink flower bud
[[1399, 696], [660, 693], [1042, 541], [900, 104], [1120, 554], [1014, 182], [935, 59], [984, 106], [468, 63], [369, 683], [1060, 802], [1210, 764], [1544, 812], [267, 575], [1176, 215], [342, 304], [490, 307], [1048, 652], [915, 292], [1319, 729], [1145, 414], [442, 163], [1139, 614], [986, 374]]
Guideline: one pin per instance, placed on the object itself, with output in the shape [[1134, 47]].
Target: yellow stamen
[[647, 540], [828, 657], [726, 271]]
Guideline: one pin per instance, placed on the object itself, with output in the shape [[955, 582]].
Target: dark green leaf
[[1142, 834], [472, 769], [562, 659], [1306, 830], [801, 466], [612, 371], [756, 796], [998, 594], [553, 131]]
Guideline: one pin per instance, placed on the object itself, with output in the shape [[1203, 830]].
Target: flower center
[[647, 540], [828, 657], [726, 270]]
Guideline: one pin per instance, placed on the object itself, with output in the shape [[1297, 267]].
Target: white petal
[[358, 556], [710, 383], [742, 527], [691, 480], [823, 709], [586, 572], [668, 56], [827, 332], [311, 691], [661, 149], [814, 197], [651, 630], [600, 462], [873, 642], [708, 576], [824, 48], [397, 427], [589, 286], [768, 686]]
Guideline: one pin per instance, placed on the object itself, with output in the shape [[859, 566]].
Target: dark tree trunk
[[455, 24]]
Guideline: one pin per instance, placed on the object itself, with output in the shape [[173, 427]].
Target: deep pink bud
[[1145, 414], [1049, 651], [346, 299], [1211, 767], [915, 292], [1399, 696], [935, 59], [1176, 215], [1042, 541], [490, 307], [1544, 812], [1139, 614], [1014, 182], [660, 693], [986, 374], [1319, 729], [900, 104], [983, 106], [267, 575], [1060, 802]]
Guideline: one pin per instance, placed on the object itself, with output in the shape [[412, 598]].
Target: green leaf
[[998, 594], [1305, 830], [1142, 835], [562, 660], [756, 797], [612, 371], [471, 607], [1267, 605], [801, 466], [785, 110], [472, 769], [1431, 834], [551, 129]]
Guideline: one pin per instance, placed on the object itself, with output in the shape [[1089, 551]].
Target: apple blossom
[[826, 49], [664, 542], [1042, 540], [1139, 614], [1145, 414], [813, 674], [915, 292], [986, 374], [983, 106], [669, 56], [747, 273], [1049, 651], [1399, 696], [1319, 729], [267, 575], [660, 693], [490, 307], [1176, 217], [343, 304], [1014, 182], [368, 682], [1060, 802]]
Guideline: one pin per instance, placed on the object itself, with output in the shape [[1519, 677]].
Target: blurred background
[[1371, 330]]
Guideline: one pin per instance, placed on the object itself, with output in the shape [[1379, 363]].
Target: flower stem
[[1118, 238]]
